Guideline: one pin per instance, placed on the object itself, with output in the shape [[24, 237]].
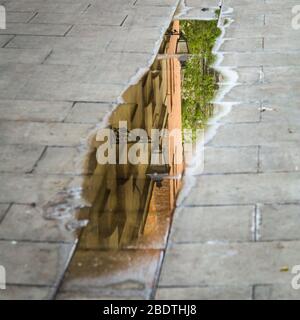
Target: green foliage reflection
[[199, 79]]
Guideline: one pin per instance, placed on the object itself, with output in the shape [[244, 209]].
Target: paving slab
[[229, 160], [40, 29], [206, 224], [31, 263], [19, 158], [26, 110], [205, 293], [244, 189], [280, 157], [242, 45], [29, 189], [55, 134], [62, 160], [279, 222], [15, 226], [275, 292], [19, 292], [228, 264]]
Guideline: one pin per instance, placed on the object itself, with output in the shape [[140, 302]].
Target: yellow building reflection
[[132, 204]]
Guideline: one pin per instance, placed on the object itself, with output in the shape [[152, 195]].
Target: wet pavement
[[235, 227], [236, 233], [63, 68]]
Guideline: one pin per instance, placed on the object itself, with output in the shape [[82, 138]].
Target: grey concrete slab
[[58, 160], [80, 18], [98, 294], [261, 134], [246, 19], [34, 56], [242, 45], [248, 75], [19, 158], [29, 189], [241, 113], [283, 74], [282, 43], [41, 29], [55, 134], [279, 222], [26, 110], [244, 189], [228, 264], [41, 89], [15, 226], [280, 157], [229, 160], [115, 32], [205, 293], [275, 292], [206, 224], [272, 92], [126, 45], [88, 112], [166, 3], [34, 263], [21, 292], [52, 42], [42, 6], [259, 58]]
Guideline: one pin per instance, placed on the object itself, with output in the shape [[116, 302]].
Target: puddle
[[132, 203]]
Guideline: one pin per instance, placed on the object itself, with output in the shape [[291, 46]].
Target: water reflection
[[133, 203]]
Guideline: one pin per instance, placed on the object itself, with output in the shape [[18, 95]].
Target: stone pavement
[[236, 236], [63, 66]]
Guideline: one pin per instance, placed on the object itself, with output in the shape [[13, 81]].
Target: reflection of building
[[124, 195]]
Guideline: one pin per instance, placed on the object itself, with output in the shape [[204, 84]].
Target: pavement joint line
[[238, 204], [38, 160], [6, 212], [87, 8], [69, 29], [26, 285], [31, 18], [231, 242], [259, 159], [245, 173], [123, 21], [31, 241], [47, 56], [254, 224]]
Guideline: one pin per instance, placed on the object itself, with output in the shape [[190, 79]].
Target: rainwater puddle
[[132, 203]]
